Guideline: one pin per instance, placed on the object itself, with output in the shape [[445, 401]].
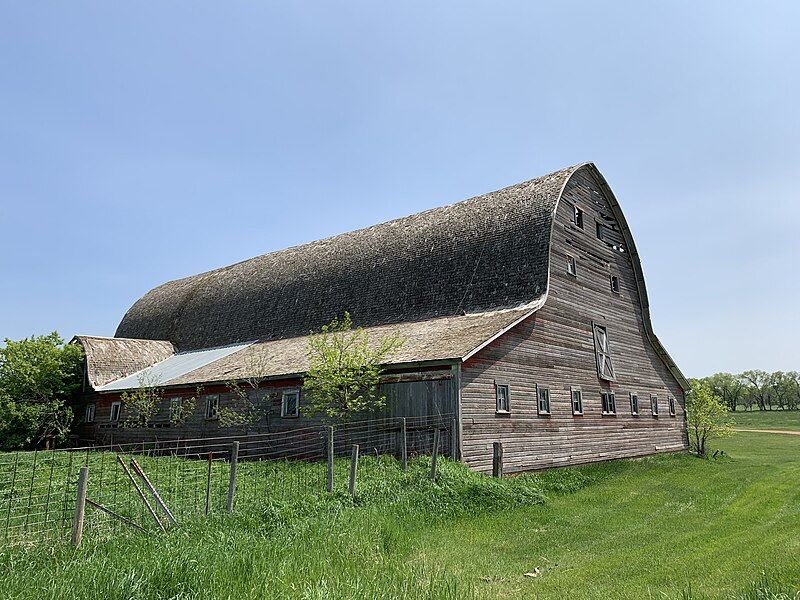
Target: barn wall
[[555, 348]]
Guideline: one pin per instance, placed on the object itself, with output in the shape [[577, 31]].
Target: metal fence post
[[353, 470], [232, 480], [403, 444], [80, 507], [208, 484], [497, 460], [435, 453], [330, 458]]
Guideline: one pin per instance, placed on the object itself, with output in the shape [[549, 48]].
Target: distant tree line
[[756, 390]]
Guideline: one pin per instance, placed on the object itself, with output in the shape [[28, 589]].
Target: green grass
[[662, 527], [767, 419]]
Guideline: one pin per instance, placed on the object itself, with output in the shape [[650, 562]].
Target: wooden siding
[[555, 348]]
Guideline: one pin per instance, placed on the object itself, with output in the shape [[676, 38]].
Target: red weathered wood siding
[[555, 348]]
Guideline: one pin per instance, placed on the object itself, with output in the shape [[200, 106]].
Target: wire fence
[[150, 486]]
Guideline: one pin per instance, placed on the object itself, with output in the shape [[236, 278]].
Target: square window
[[577, 216], [212, 406], [671, 406], [600, 228], [290, 403], [543, 395], [577, 401], [88, 415], [116, 410], [605, 368], [609, 403], [572, 266], [654, 405], [503, 397], [634, 404], [615, 284]]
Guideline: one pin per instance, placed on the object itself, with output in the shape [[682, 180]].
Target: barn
[[524, 315]]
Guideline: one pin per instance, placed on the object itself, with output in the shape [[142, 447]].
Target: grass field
[[767, 419], [651, 528]]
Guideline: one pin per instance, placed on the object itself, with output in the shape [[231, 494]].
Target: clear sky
[[145, 142]]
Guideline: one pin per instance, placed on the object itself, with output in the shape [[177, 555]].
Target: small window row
[[290, 407], [572, 269], [608, 401]]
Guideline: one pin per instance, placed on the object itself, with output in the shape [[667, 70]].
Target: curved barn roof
[[484, 254]]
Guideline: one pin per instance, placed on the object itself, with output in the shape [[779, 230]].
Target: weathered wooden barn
[[524, 314]]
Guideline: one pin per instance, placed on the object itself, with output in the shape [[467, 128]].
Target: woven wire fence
[[151, 486]]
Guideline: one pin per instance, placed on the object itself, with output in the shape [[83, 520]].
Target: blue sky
[[145, 142]]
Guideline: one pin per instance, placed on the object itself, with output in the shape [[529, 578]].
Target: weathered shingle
[[109, 359]]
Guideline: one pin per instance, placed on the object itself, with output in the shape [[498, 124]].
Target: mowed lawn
[[767, 419], [650, 528]]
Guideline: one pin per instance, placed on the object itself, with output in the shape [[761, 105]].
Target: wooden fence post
[[497, 460], [454, 439], [208, 483], [80, 507], [353, 470], [232, 480], [435, 453], [330, 458], [403, 444]]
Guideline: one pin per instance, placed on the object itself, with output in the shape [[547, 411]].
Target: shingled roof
[[481, 255]]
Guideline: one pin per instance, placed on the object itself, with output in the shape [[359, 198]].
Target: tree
[[38, 375], [242, 410], [143, 403], [727, 386], [345, 369], [758, 388], [705, 416], [781, 387]]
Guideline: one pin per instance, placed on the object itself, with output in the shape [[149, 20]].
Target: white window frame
[[572, 266], [614, 282], [612, 403], [672, 410], [602, 350], [212, 407], [498, 385], [542, 391], [578, 216], [89, 412], [286, 394], [572, 392], [654, 405], [634, 400], [116, 411]]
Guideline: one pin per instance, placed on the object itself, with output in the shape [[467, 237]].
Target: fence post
[[353, 470], [232, 480], [435, 453], [330, 458], [453, 439], [80, 507], [208, 484], [497, 460], [403, 444]]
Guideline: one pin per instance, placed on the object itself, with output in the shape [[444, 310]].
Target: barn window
[[543, 394], [175, 409], [605, 368], [615, 284], [609, 403], [212, 406], [88, 415], [503, 397], [290, 403], [634, 404], [600, 228], [116, 409], [577, 401], [572, 267], [577, 216], [671, 406], [654, 405]]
